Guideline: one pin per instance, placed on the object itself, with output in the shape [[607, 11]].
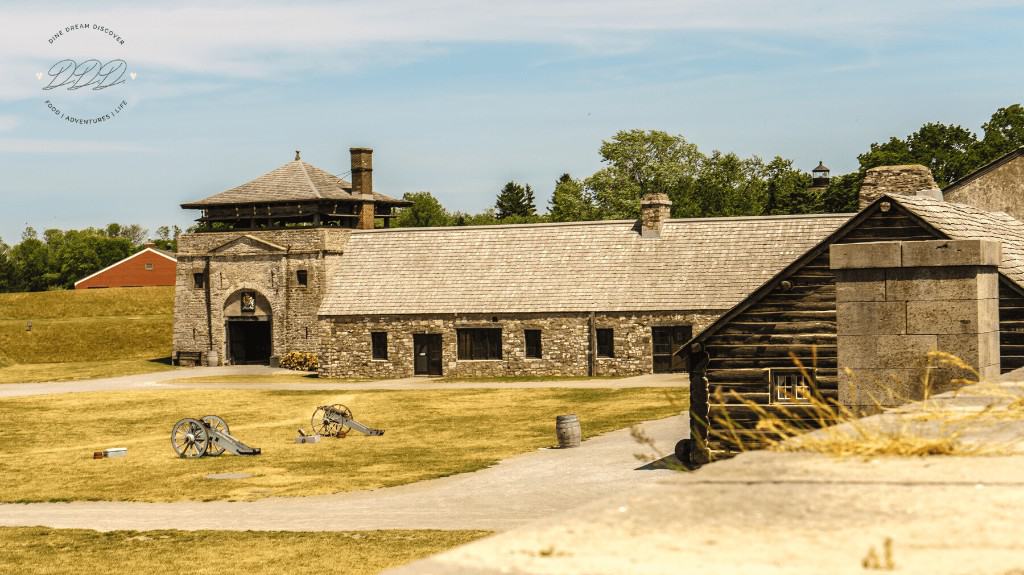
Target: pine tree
[[515, 200]]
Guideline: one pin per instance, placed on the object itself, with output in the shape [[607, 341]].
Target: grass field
[[96, 333], [39, 551], [48, 440]]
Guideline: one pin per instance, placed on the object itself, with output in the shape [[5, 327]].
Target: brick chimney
[[906, 180], [654, 210], [362, 185]]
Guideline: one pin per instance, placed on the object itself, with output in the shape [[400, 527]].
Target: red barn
[[149, 267]]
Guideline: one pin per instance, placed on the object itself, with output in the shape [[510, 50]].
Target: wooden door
[[427, 351], [666, 340]]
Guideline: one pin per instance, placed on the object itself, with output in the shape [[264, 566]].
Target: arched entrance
[[247, 323]]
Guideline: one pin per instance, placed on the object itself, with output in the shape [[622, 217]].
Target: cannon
[[336, 421], [207, 436]]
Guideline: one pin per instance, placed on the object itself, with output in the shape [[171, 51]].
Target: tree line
[[718, 183], [56, 259]]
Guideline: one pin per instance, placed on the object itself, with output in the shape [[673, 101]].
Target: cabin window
[[533, 347], [479, 343], [789, 385], [149, 267], [302, 277], [199, 280], [379, 339], [605, 342]]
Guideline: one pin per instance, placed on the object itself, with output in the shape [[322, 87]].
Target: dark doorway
[[427, 350], [667, 340], [249, 341]]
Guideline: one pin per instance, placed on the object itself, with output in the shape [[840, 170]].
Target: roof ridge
[[309, 180]]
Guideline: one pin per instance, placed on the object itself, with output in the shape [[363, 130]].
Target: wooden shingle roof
[[962, 222], [292, 182], [697, 264]]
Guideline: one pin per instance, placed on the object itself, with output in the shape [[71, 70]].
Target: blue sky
[[458, 97]]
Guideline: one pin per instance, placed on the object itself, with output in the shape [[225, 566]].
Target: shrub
[[299, 361]]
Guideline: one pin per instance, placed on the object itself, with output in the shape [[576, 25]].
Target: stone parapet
[[897, 302]]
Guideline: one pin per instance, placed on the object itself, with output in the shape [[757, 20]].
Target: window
[[479, 343], [199, 280], [149, 267], [788, 385], [605, 342], [302, 277], [379, 339], [533, 348]]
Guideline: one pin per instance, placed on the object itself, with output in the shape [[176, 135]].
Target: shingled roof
[[697, 264], [292, 182], [962, 222]]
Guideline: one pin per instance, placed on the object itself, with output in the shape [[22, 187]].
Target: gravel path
[[514, 492], [161, 380]]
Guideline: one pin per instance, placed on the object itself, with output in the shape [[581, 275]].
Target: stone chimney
[[362, 185], [654, 210], [906, 180]]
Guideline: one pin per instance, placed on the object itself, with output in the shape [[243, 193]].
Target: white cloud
[[266, 39], [8, 123]]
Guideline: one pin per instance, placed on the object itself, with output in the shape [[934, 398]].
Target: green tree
[[638, 162], [1004, 132], [571, 201], [949, 151], [29, 262], [842, 193], [515, 200], [167, 238], [6, 270], [425, 212], [728, 185], [788, 190]]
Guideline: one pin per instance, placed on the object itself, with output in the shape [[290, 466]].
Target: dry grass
[[826, 426], [48, 440], [277, 378], [70, 371], [39, 551], [106, 326]]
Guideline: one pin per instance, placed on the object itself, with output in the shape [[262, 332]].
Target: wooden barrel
[[567, 428]]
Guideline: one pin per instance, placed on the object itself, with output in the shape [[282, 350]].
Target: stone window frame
[[379, 348], [604, 349], [540, 343], [493, 354], [795, 391], [302, 277]]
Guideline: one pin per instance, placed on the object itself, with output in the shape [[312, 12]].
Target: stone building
[[587, 298], [249, 284], [995, 187]]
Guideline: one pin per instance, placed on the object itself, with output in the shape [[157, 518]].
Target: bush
[[299, 361]]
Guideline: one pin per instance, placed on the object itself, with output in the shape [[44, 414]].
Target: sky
[[459, 96]]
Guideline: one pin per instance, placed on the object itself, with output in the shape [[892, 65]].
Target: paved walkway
[[514, 492], [161, 380]]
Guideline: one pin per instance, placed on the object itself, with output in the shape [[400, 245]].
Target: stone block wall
[[899, 301], [346, 348], [907, 180], [999, 189], [262, 261]]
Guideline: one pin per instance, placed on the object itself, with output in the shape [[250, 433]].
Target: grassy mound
[[105, 325]]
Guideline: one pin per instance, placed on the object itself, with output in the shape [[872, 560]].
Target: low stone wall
[[346, 348]]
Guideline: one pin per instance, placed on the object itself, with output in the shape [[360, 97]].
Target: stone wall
[[262, 261], [1000, 189], [346, 349], [899, 301], [907, 180]]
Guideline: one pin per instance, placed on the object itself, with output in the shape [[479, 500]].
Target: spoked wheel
[[340, 429], [189, 438], [217, 423]]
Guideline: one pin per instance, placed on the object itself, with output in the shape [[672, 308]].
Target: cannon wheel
[[342, 430], [216, 422], [189, 438]]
